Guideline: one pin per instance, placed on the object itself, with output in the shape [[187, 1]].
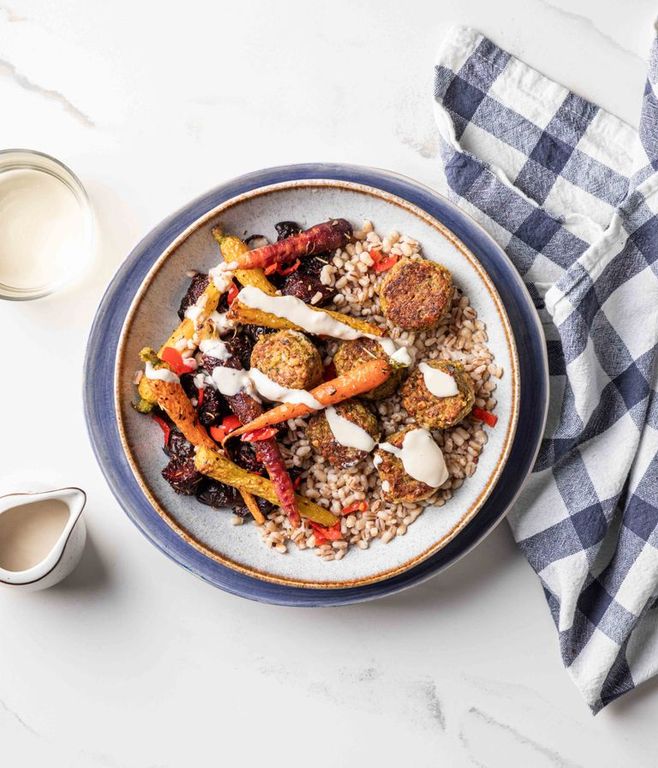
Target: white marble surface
[[133, 663]]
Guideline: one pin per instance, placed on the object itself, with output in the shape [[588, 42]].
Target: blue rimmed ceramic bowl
[[139, 308]]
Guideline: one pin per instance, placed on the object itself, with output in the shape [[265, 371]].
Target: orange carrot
[[361, 379], [318, 239]]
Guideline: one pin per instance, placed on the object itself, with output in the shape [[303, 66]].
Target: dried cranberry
[[178, 446], [216, 494], [287, 229], [198, 285], [244, 456], [213, 407], [305, 283], [182, 475], [263, 504]]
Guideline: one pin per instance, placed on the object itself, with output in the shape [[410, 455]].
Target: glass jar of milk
[[45, 224]]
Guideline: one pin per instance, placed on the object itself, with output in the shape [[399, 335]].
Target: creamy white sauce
[[230, 382], [348, 433], [194, 312], [421, 457], [439, 383], [274, 392], [221, 275], [312, 321], [220, 322], [386, 486], [215, 348], [160, 374]]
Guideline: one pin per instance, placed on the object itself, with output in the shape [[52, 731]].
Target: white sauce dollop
[[421, 457], [274, 392], [439, 383], [220, 322], [215, 348], [348, 433], [160, 374], [221, 275], [230, 381]]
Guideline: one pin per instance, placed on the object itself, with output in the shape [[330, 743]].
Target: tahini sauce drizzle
[[312, 321], [439, 383], [348, 433], [421, 457]]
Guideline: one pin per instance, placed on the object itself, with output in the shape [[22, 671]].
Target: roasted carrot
[[233, 249], [211, 462], [318, 239], [361, 379]]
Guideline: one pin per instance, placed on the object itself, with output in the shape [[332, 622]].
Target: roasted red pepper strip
[[164, 426], [486, 416], [231, 422], [232, 293], [297, 482], [385, 264], [357, 506], [259, 434], [271, 269], [175, 361], [328, 534], [218, 434], [199, 396]]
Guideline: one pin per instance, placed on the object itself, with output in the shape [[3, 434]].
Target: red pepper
[[259, 434], [164, 426], [199, 396], [271, 269], [376, 255], [329, 372], [297, 482], [230, 423], [218, 434], [486, 416], [175, 361], [285, 271], [232, 293], [357, 506], [385, 264], [323, 534]]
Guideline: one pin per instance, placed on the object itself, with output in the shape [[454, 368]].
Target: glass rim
[[44, 163]]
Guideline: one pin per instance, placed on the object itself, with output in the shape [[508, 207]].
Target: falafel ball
[[323, 441], [415, 294], [289, 358], [397, 485], [438, 412], [351, 354]]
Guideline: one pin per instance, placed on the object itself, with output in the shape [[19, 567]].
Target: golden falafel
[[434, 412], [289, 358], [416, 293], [325, 443]]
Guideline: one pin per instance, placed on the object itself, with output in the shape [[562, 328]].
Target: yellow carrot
[[232, 248], [361, 379]]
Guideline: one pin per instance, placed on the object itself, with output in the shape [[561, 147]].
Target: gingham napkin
[[571, 193]]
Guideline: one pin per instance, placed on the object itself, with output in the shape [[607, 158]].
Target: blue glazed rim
[[100, 360]]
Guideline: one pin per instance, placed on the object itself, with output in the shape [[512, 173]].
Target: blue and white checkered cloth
[[571, 193]]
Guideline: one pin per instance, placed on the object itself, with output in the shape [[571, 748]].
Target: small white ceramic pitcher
[[64, 553]]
